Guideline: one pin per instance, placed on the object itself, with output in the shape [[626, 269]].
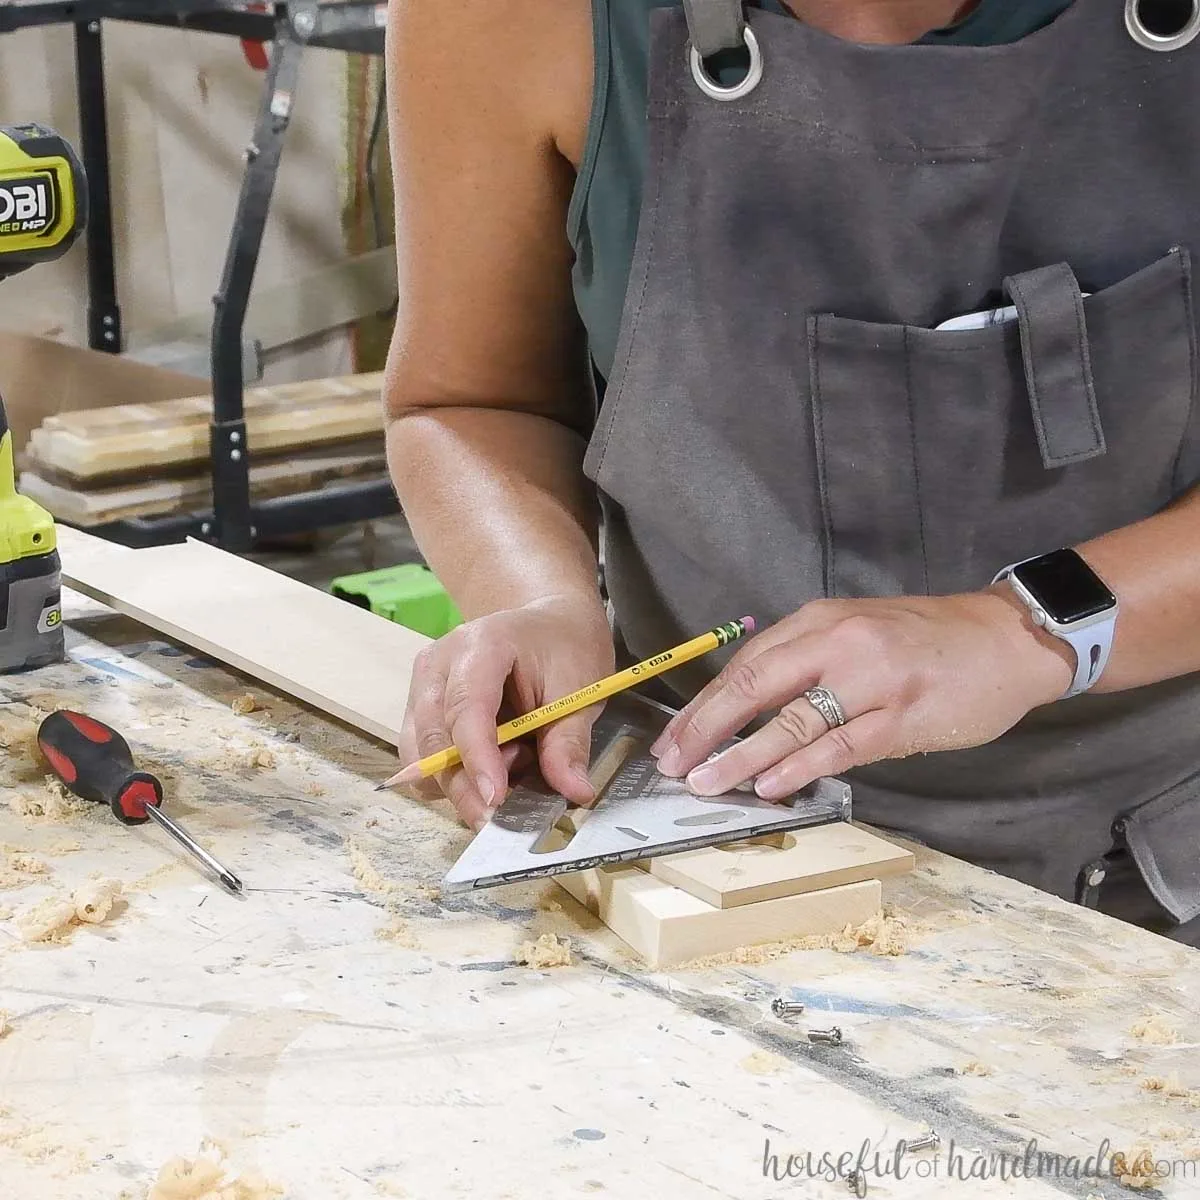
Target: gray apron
[[784, 423]]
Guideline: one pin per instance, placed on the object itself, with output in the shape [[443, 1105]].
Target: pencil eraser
[[748, 622]]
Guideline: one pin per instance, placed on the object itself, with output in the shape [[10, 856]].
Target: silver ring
[[753, 77], [826, 703], [1154, 39]]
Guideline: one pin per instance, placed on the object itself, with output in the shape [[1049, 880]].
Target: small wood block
[[782, 864], [667, 926]]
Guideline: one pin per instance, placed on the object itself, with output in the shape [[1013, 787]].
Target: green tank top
[[603, 217]]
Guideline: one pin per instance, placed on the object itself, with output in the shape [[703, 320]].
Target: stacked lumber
[[132, 460]]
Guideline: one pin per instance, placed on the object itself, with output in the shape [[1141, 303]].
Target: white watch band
[[1092, 643], [1092, 646]]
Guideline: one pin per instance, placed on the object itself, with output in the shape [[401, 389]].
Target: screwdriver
[[96, 764]]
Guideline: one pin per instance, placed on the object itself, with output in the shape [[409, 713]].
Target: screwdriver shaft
[[181, 835]]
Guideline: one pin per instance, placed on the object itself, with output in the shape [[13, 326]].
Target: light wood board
[[338, 657], [155, 497], [804, 860], [667, 926], [108, 441], [354, 665]]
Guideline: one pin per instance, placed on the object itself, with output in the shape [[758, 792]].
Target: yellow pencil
[[443, 760]]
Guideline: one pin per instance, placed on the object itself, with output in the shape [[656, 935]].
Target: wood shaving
[[1171, 1088], [313, 789], [260, 758], [52, 805], [206, 1177], [5, 1024], [975, 1068], [1154, 1031], [52, 919], [1137, 1172], [93, 901], [64, 848], [5, 912], [245, 704], [49, 920], [548, 951]]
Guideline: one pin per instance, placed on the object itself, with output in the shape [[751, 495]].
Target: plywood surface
[[354, 1035], [787, 864], [338, 657]]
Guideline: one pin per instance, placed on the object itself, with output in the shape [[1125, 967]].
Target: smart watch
[[1068, 599]]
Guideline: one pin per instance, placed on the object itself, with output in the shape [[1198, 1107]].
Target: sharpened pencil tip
[[380, 787]]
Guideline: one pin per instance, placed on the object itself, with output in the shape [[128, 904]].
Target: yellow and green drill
[[43, 209]]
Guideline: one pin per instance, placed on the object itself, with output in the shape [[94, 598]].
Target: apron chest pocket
[[943, 455]]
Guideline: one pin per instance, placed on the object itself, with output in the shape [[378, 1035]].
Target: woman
[[785, 430]]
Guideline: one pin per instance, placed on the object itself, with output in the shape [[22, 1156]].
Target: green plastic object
[[409, 594]]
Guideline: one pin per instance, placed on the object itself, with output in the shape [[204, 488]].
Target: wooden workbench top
[[346, 1032]]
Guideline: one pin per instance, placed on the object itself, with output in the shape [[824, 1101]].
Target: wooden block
[[154, 497], [667, 926], [333, 655], [782, 864], [105, 442]]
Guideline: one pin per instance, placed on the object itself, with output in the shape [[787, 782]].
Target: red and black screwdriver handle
[[95, 763]]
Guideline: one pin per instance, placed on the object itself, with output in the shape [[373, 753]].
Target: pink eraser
[[748, 622]]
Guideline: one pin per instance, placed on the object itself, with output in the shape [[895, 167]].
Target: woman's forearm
[[498, 504], [1153, 568]]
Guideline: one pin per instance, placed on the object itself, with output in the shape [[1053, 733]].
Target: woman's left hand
[[911, 674]]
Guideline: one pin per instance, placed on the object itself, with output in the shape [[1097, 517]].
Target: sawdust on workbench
[[52, 919], [1154, 1030], [5, 912], [260, 757], [5, 1024], [52, 804], [975, 1068], [37, 1143], [1172, 1089], [762, 1062], [206, 1177], [363, 869], [886, 933], [549, 950], [244, 704], [24, 863], [398, 932]]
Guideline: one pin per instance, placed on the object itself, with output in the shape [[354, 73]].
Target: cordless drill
[[43, 209]]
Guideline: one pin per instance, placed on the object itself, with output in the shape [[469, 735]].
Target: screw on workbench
[[831, 1037], [856, 1181], [928, 1141], [786, 1008]]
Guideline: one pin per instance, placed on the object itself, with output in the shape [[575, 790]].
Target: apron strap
[[715, 25], [1058, 371]]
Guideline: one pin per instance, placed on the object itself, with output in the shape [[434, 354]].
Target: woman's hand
[[515, 660], [911, 674]]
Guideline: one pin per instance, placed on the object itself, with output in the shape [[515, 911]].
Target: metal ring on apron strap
[[1162, 24], [705, 83]]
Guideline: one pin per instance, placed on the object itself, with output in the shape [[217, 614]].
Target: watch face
[[1065, 587]]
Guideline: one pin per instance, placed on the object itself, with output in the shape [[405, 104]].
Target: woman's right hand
[[499, 666]]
